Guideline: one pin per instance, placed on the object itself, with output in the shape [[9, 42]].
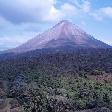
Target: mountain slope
[[61, 35]]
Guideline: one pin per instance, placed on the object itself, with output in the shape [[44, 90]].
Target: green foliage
[[59, 82], [58, 92]]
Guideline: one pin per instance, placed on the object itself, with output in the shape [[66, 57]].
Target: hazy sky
[[21, 20]]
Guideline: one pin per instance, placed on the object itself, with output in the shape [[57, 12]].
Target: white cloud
[[101, 13], [69, 9], [83, 5], [13, 41], [20, 11], [53, 15], [86, 6], [106, 11], [9, 42], [96, 15], [25, 10], [66, 10]]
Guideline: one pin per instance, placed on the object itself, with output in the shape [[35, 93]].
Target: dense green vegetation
[[61, 82], [63, 94]]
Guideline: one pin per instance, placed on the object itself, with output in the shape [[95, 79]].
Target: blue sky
[[21, 20]]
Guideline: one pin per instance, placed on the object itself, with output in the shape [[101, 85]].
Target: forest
[[70, 81]]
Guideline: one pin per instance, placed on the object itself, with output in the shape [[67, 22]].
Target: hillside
[[68, 81]]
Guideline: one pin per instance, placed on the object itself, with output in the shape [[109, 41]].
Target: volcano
[[63, 34]]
